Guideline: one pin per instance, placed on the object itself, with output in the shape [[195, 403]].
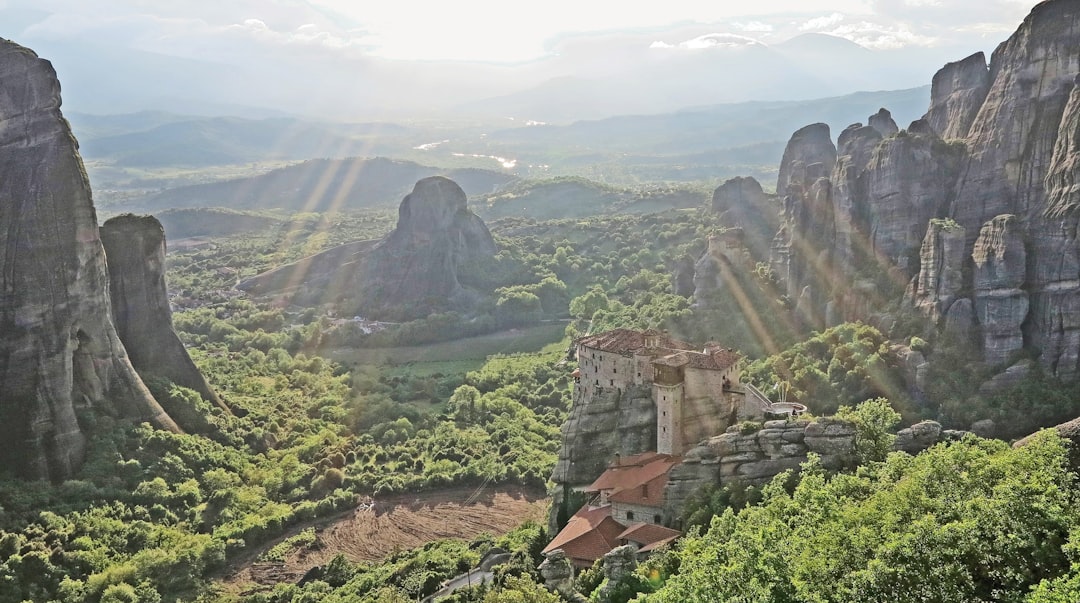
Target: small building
[[626, 506], [588, 535]]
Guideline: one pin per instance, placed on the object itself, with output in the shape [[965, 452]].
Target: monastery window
[[598, 382], [656, 519], [639, 373], [665, 398], [665, 413], [629, 516], [615, 370], [612, 382], [665, 429]]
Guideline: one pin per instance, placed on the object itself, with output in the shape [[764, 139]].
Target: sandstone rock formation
[[437, 242], [135, 253], [558, 574], [882, 121], [1013, 128], [941, 259], [744, 205], [1000, 304], [434, 260], [613, 422], [619, 563], [59, 352], [956, 95]]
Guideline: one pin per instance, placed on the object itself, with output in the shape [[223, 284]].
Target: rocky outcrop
[[941, 259], [851, 184], [1000, 268], [909, 180], [558, 573], [714, 270], [745, 206], [800, 254], [607, 423], [437, 239], [59, 352], [434, 260], [882, 121], [758, 456], [135, 253], [809, 155], [956, 95], [619, 563], [995, 142]]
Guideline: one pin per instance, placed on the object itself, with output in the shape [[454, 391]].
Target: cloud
[[753, 26], [879, 37], [307, 34], [820, 23], [710, 40]]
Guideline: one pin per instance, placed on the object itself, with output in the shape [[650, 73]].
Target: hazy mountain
[[319, 185], [664, 80], [173, 141]]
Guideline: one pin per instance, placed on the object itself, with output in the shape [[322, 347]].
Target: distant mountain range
[[736, 70]]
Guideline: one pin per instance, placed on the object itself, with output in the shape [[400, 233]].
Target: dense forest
[[316, 425]]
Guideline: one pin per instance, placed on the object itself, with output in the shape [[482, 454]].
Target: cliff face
[[956, 95], [1007, 182], [59, 351], [611, 422], [135, 251]]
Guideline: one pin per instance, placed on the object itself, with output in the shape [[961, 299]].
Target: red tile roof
[[622, 341], [588, 536], [632, 471], [647, 494], [646, 534], [629, 341]]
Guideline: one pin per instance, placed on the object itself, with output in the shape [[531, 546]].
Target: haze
[[556, 61]]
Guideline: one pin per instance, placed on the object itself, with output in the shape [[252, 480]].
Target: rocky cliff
[[755, 457], [60, 352], [745, 205], [434, 260], [981, 226], [612, 422], [437, 245], [135, 252]]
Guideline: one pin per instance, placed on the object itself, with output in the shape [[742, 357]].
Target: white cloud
[[820, 23], [879, 37], [753, 26], [711, 40]]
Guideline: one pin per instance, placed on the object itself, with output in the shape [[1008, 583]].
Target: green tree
[[874, 422]]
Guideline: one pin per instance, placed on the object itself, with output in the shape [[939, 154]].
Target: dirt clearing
[[401, 522]]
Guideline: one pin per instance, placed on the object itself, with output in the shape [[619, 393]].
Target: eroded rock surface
[[135, 252], [612, 422], [59, 351], [956, 95]]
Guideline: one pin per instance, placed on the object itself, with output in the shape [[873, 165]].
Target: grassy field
[[450, 357]]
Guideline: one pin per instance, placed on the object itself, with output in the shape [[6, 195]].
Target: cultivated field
[[398, 523]]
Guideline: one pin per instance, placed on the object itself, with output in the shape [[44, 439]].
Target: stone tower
[[668, 392]]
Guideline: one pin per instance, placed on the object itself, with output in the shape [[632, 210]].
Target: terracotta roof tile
[[648, 533], [588, 536], [629, 341], [647, 494], [633, 471]]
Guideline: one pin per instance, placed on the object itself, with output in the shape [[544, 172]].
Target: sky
[[368, 50]]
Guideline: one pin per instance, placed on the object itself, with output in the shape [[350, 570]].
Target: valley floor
[[397, 523]]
